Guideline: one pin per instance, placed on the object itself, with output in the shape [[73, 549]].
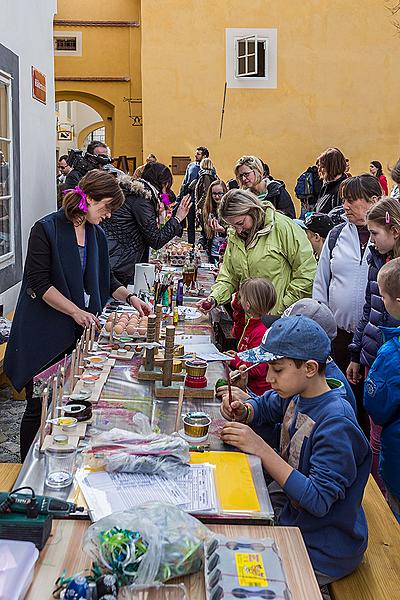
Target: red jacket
[[384, 184], [239, 317], [251, 338]]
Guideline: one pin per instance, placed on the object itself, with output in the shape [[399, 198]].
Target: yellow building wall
[[337, 83], [106, 52]]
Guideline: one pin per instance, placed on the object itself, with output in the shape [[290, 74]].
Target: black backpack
[[333, 237], [308, 186]]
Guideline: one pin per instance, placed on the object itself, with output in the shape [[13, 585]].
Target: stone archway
[[102, 107]]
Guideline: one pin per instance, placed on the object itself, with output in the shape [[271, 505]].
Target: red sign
[[38, 85]]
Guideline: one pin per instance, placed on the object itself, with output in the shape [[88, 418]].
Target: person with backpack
[[308, 187], [332, 169], [342, 271], [252, 174]]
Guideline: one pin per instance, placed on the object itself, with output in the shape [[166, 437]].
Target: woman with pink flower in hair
[[66, 282]]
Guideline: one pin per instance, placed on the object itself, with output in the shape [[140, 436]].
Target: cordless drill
[[33, 505]]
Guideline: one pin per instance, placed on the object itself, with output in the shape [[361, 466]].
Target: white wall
[[26, 28], [82, 115]]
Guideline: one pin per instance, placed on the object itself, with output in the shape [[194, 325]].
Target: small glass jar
[[60, 466]]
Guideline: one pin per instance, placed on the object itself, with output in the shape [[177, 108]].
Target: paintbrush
[[238, 375], [228, 380]]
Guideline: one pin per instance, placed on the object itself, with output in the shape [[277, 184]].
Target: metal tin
[[177, 366], [196, 367], [179, 350], [60, 439], [196, 424]]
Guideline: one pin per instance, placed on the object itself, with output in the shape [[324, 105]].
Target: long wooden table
[[64, 551]]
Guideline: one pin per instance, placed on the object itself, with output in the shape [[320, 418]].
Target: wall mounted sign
[[38, 85]]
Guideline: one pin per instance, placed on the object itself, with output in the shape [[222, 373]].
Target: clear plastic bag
[[130, 452], [173, 540], [157, 591]]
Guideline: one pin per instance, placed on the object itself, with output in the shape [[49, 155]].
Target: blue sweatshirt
[[331, 460], [382, 403]]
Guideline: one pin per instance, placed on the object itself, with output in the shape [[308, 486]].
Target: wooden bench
[[8, 475], [378, 576]]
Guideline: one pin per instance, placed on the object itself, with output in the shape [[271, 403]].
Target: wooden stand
[[151, 337], [157, 374], [173, 391]]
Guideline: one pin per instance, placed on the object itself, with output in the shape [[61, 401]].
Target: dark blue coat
[[40, 333], [367, 338]]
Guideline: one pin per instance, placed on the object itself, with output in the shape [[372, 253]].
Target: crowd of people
[[315, 304]]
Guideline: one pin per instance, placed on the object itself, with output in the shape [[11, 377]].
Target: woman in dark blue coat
[[66, 282], [383, 221]]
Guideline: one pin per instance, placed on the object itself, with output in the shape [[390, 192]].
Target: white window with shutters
[[251, 58]]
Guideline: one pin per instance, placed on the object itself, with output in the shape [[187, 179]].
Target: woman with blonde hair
[[262, 242], [253, 175], [214, 232]]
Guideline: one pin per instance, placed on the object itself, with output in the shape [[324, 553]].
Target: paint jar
[[196, 367], [60, 466], [196, 424], [177, 366]]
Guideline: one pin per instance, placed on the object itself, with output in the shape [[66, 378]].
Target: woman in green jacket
[[262, 243]]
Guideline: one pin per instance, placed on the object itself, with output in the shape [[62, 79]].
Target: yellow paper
[[233, 479]]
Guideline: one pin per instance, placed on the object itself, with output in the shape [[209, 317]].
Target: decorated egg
[[130, 330], [118, 329]]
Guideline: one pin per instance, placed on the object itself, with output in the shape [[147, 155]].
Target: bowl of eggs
[[127, 325]]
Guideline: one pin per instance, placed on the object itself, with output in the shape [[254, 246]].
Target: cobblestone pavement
[[10, 417]]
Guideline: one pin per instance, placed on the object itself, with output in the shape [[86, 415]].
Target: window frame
[[8, 258], [11, 274], [250, 79], [246, 55], [68, 34]]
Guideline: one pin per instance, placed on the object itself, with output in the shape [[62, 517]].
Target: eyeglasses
[[217, 194], [245, 175]]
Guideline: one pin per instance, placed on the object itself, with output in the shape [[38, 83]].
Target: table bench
[[8, 475], [378, 576]]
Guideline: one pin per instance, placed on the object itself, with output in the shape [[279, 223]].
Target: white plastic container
[[17, 562]]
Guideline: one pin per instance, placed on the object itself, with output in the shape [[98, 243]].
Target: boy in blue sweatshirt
[[382, 387], [324, 459]]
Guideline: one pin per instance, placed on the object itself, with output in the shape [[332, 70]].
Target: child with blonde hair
[[257, 296]]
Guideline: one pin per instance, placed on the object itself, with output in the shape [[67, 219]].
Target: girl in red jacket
[[257, 296]]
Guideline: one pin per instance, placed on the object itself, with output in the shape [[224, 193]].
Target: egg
[[142, 330], [108, 326], [118, 329], [130, 330]]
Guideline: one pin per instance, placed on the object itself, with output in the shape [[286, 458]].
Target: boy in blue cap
[[324, 459]]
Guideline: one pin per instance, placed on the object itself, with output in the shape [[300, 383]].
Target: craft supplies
[[244, 568], [196, 424], [60, 465], [177, 366], [81, 411], [77, 588], [144, 277], [155, 542], [196, 368]]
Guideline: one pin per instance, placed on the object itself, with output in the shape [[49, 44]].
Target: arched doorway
[[91, 113]]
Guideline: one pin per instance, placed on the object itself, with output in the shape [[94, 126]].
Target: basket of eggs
[[127, 325]]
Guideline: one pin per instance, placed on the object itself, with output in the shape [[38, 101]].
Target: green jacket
[[279, 251]]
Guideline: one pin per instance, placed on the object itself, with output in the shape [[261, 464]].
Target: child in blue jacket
[[382, 386], [324, 459]]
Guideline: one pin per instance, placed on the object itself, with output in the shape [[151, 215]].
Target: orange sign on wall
[[38, 85]]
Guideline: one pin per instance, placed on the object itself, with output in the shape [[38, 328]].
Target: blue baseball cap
[[291, 337]]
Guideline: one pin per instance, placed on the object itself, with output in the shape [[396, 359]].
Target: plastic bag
[[173, 542], [129, 452]]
